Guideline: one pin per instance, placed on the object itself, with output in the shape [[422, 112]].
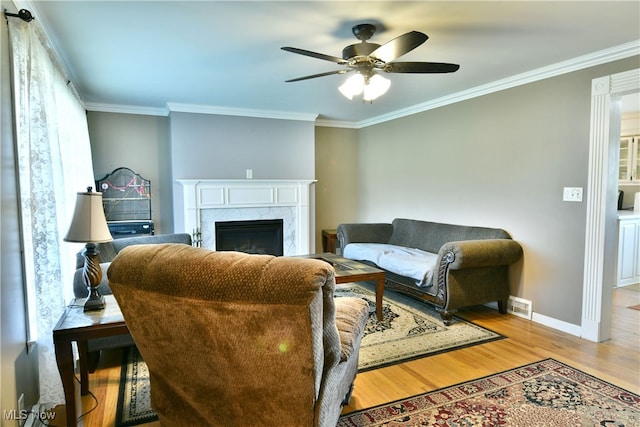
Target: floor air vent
[[520, 307]]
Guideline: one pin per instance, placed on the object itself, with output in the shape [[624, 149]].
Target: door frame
[[602, 188]]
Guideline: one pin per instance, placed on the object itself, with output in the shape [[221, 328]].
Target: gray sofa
[[108, 252], [471, 264]]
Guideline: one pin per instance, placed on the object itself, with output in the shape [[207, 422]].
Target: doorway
[[600, 235]]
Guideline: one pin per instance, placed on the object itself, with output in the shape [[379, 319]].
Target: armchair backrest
[[229, 338]]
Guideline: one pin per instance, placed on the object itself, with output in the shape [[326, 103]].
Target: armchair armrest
[[351, 317], [480, 253], [363, 233]]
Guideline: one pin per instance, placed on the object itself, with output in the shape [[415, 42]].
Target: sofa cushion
[[430, 236], [414, 263], [366, 251]]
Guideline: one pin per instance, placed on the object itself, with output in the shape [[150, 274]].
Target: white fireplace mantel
[[250, 199]]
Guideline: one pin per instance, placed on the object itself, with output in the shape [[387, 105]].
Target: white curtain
[[54, 162]]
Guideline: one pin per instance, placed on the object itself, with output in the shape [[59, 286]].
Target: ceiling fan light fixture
[[375, 87], [353, 86], [366, 58]]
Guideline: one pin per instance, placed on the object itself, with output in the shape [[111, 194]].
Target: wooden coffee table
[[348, 270]]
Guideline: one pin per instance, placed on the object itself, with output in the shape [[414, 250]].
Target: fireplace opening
[[264, 236]]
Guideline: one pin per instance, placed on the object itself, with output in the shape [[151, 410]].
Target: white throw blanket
[[415, 263]]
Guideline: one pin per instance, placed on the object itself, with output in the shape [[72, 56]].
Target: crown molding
[[336, 124], [126, 109], [244, 112], [615, 53], [199, 109]]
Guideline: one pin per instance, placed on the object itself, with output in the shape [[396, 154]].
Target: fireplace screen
[[252, 237]]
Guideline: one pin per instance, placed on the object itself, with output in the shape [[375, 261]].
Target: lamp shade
[[352, 86], [370, 86], [375, 87], [89, 224]]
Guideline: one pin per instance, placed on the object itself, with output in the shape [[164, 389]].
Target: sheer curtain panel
[[54, 162]]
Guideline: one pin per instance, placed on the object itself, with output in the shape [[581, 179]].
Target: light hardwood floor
[[616, 361]]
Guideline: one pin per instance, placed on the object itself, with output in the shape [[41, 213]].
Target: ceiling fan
[[366, 58]]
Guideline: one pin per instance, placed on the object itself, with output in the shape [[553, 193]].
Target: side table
[[329, 241], [79, 326]]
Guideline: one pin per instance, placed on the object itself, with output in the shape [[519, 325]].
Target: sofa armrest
[[363, 233], [480, 253], [107, 251]]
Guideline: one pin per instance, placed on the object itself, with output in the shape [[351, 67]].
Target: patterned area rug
[[410, 330], [546, 393], [134, 398]]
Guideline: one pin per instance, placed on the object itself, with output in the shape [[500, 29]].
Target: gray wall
[[18, 367], [224, 147], [337, 175], [500, 160], [140, 143]]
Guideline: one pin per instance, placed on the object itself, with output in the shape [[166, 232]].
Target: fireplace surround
[[206, 201]]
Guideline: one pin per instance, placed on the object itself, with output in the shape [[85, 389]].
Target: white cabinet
[[628, 271], [629, 169]]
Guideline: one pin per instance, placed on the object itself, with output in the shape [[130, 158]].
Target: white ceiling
[[226, 56]]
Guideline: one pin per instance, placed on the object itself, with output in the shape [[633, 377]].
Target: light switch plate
[[572, 194]]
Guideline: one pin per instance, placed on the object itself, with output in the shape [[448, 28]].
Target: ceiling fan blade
[[313, 76], [399, 46], [314, 54], [420, 67]]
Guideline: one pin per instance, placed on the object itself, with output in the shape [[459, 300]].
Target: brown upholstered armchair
[[238, 339], [107, 252]]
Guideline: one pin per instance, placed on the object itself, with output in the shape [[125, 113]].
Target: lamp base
[[94, 303], [92, 274]]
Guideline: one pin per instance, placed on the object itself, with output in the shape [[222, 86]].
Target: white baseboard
[[560, 325], [551, 322]]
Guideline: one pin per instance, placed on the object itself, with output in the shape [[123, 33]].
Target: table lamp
[[89, 226]]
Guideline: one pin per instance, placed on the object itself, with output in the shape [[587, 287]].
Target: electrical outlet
[[21, 410], [249, 173], [572, 194]]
